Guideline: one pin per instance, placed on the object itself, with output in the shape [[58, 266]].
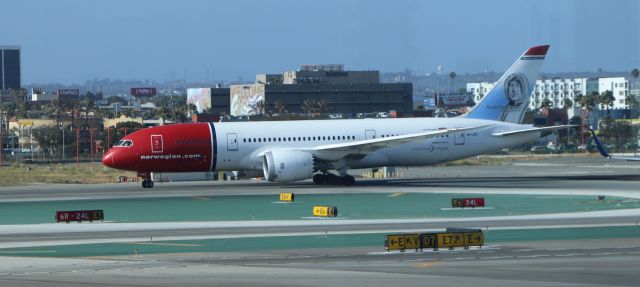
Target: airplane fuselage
[[240, 145]]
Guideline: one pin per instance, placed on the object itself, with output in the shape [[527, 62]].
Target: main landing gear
[[332, 179], [146, 182]]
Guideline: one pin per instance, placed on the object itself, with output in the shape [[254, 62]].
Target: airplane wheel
[[348, 180], [319, 179], [147, 183], [333, 179]]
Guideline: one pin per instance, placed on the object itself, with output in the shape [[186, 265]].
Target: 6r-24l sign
[[467, 202]]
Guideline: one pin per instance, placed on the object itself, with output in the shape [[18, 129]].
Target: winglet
[[599, 145]]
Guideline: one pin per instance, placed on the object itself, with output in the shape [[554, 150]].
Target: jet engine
[[287, 165]]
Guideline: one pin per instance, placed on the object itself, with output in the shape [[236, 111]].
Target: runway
[[579, 241]]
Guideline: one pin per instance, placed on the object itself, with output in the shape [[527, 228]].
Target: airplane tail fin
[[509, 98]]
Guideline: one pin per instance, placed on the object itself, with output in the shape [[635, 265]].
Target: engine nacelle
[[286, 165]]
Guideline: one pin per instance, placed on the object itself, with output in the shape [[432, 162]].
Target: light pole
[[1, 128], [62, 128]]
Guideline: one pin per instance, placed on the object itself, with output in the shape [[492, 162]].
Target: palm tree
[[164, 112], [567, 103], [280, 105], [323, 106], [606, 99], [21, 104], [587, 101], [262, 107], [635, 73], [452, 76], [192, 108], [309, 105]]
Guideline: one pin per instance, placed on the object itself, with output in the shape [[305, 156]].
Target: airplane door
[[370, 134], [458, 138], [232, 142]]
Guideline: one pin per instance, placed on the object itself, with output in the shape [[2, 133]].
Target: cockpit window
[[124, 143]]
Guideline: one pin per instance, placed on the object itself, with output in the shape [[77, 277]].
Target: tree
[[567, 104], [630, 99], [546, 103], [50, 139], [606, 99], [617, 132], [192, 108], [323, 106], [587, 101], [635, 73], [109, 138], [164, 112], [280, 105], [452, 76], [309, 105], [22, 106]]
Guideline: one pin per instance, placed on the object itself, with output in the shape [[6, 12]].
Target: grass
[[22, 174]]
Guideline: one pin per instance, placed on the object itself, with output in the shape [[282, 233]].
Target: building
[[563, 92], [10, 72], [346, 92], [209, 100], [479, 90]]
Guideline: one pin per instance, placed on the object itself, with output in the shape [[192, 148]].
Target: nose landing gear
[[146, 182]]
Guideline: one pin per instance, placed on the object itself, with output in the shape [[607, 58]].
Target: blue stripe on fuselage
[[214, 146]]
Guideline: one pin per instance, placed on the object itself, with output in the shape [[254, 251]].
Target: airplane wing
[[531, 130], [604, 153], [332, 152]]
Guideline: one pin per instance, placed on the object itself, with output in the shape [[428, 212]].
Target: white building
[[561, 91], [479, 90]]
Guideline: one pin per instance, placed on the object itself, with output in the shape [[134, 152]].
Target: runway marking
[[26, 251], [499, 257], [164, 244], [607, 253], [397, 194], [571, 254], [200, 197], [458, 208], [427, 264]]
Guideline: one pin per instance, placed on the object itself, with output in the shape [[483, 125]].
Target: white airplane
[[286, 151]]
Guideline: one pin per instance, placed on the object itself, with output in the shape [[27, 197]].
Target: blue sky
[[69, 41]]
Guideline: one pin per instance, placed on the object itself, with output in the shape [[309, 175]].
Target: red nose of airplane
[[107, 159]]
